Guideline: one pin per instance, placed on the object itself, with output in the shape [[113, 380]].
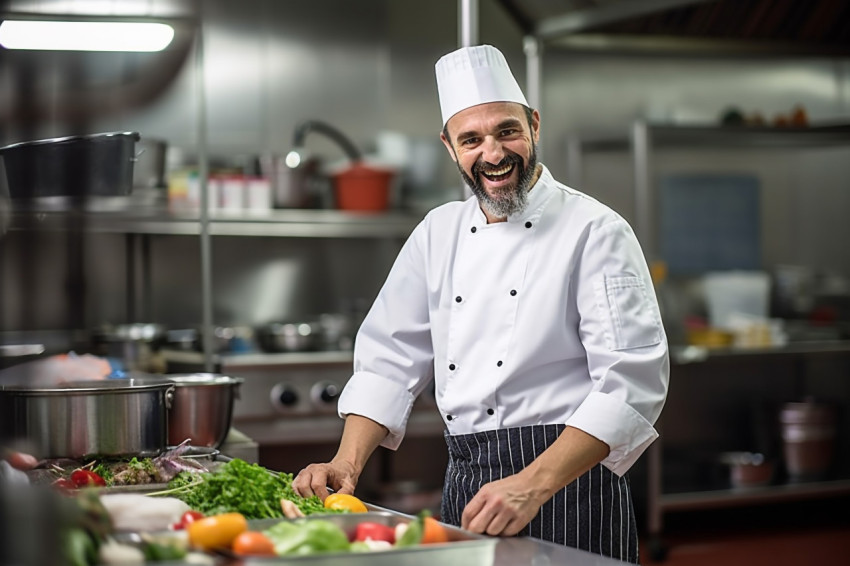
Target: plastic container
[[736, 292], [364, 188]]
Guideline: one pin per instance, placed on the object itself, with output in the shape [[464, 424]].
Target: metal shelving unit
[[716, 498], [646, 138], [643, 142], [691, 497], [275, 223]]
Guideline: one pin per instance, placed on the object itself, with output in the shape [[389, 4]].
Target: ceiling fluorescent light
[[85, 36]]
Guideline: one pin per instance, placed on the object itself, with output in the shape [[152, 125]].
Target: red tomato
[[253, 543], [374, 531], [190, 517], [186, 519], [64, 484], [86, 478]]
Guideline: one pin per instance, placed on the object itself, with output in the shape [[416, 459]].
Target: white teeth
[[499, 172]]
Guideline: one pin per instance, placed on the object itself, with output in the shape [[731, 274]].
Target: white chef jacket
[[549, 317]]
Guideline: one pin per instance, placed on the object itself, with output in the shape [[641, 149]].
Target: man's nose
[[493, 150]]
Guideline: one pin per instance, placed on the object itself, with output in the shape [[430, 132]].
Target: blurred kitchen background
[[719, 129]]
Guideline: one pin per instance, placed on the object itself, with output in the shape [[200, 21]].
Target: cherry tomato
[[86, 478], [253, 543], [190, 517], [185, 519], [374, 531], [344, 501], [217, 531]]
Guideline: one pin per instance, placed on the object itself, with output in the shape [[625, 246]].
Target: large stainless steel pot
[[73, 166], [202, 409], [87, 419]]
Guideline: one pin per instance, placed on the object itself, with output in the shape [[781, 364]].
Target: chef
[[531, 308]]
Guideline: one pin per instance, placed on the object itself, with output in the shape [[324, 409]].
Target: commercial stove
[[292, 398]]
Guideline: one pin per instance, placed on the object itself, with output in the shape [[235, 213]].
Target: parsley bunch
[[240, 487]]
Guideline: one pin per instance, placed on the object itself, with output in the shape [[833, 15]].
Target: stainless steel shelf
[[274, 223], [697, 354], [667, 136], [254, 360], [752, 495]]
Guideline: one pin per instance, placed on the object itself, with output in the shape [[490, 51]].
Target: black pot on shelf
[[73, 166]]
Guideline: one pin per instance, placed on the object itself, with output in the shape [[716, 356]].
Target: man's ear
[[449, 146], [535, 125]]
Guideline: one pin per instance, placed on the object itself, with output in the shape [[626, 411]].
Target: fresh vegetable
[[86, 478], [433, 532], [63, 484], [253, 543], [240, 487], [369, 545], [412, 534], [103, 470], [424, 529], [374, 531], [218, 531], [164, 550], [115, 553], [290, 509], [186, 518], [79, 547], [134, 471], [344, 502], [310, 536]]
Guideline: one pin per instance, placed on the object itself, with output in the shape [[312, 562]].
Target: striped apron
[[593, 513]]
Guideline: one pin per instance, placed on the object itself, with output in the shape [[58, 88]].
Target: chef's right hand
[[20, 460], [339, 475]]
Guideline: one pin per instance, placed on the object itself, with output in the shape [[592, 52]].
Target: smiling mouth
[[499, 174]]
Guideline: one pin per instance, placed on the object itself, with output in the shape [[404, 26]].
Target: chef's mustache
[[481, 166]]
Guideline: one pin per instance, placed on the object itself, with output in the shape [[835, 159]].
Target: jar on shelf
[[808, 438]]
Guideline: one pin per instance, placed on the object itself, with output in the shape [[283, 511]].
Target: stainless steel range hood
[[688, 27]]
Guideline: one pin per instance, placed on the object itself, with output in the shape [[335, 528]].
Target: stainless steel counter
[[524, 551]]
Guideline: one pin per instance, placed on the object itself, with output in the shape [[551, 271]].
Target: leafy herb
[[103, 470], [240, 487]]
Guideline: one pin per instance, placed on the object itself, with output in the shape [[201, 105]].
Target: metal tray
[[463, 549]]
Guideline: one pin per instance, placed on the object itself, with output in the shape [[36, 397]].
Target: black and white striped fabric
[[594, 513]]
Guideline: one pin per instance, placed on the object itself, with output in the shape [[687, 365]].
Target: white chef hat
[[474, 75]]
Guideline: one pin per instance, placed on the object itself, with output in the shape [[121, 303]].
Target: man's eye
[[509, 132], [469, 141]]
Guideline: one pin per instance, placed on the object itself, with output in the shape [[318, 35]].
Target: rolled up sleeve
[[626, 347], [393, 353]]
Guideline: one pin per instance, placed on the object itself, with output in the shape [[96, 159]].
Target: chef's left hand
[[502, 507]]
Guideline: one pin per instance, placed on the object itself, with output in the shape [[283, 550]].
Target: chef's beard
[[511, 199]]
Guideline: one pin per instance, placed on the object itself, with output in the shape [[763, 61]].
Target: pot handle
[[169, 396]]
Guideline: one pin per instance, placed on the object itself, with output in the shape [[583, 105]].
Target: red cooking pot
[[363, 187]]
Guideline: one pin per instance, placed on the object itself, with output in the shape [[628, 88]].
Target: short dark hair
[[529, 115]]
